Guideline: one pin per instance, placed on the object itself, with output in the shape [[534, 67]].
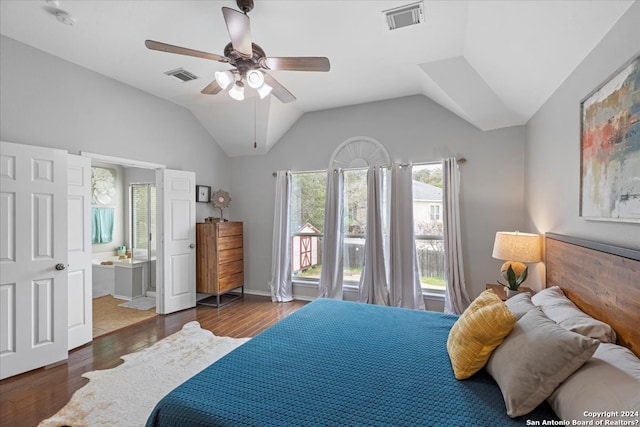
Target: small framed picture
[[203, 193]]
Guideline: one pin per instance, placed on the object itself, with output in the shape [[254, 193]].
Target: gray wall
[[50, 102], [552, 148], [412, 129]]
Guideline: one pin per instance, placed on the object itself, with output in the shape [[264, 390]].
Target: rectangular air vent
[[181, 74], [406, 15]]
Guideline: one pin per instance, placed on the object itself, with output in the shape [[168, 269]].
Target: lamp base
[[517, 267]]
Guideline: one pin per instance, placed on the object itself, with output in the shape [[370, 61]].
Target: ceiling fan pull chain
[[255, 122]]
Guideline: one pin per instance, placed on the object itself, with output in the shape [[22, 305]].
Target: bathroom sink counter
[[131, 262], [117, 262]]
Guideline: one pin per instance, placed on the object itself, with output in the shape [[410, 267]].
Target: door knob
[[193, 245], [60, 267]]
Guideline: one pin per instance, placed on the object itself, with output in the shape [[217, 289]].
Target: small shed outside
[[304, 247]]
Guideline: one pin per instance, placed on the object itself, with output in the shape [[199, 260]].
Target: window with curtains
[[307, 224], [427, 217]]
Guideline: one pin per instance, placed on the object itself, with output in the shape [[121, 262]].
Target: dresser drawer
[[230, 242], [230, 268], [229, 255], [229, 229], [230, 282]]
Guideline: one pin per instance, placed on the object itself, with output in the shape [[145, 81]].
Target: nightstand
[[499, 289]]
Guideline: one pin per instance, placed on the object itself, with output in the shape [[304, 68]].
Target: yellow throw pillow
[[478, 331]]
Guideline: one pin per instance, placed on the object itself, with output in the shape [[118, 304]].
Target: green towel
[[102, 228]]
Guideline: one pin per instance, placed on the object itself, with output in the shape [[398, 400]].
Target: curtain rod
[[461, 161]]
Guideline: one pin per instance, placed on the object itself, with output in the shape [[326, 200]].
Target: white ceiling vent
[[406, 15], [181, 74]]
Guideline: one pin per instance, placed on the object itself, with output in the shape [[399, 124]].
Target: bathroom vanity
[[129, 278], [123, 278]]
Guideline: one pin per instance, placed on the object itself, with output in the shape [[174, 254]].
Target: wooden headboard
[[602, 280]]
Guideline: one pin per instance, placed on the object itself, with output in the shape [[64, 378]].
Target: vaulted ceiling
[[493, 63]]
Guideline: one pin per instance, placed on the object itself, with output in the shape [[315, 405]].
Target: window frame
[[427, 290], [151, 210]]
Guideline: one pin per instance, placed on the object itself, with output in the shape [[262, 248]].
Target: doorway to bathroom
[[124, 268], [174, 274]]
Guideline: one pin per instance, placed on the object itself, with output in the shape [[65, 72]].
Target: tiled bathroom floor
[[107, 316]]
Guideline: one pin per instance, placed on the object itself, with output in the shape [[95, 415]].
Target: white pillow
[[520, 304], [607, 383], [534, 359], [555, 304]]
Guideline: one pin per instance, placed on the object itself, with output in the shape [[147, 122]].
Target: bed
[[343, 363]]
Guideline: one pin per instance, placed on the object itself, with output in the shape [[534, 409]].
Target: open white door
[[176, 278], [33, 257], [80, 319]]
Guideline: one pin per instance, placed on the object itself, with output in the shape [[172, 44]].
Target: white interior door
[[80, 308], [33, 257], [176, 278]]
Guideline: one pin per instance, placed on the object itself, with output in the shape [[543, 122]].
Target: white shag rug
[[126, 394], [141, 303]]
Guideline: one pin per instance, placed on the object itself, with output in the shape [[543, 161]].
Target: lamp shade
[[264, 90], [255, 79], [516, 246], [224, 78], [237, 91]]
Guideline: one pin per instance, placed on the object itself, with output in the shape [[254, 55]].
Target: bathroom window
[[143, 216]]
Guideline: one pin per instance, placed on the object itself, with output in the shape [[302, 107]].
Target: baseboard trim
[[268, 294], [426, 296]]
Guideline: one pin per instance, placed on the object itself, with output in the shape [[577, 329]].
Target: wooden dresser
[[219, 262]]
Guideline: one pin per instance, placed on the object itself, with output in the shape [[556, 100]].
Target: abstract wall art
[[610, 148]]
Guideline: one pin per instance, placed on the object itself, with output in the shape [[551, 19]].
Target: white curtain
[[280, 283], [456, 298], [330, 285], [405, 289], [372, 288]]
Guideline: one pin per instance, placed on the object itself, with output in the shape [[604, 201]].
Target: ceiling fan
[[248, 59]]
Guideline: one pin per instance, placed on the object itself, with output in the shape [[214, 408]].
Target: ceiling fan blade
[[239, 31], [310, 63], [211, 89], [164, 47], [278, 90]]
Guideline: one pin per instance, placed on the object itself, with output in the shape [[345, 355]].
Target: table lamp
[[516, 248]]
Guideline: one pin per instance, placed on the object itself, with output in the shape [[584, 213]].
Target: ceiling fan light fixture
[[237, 91], [264, 90], [247, 59], [255, 79], [224, 78]]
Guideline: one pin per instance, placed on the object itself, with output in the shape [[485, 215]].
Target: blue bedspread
[[336, 363]]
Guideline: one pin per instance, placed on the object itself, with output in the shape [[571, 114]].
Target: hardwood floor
[[108, 316], [27, 399]]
